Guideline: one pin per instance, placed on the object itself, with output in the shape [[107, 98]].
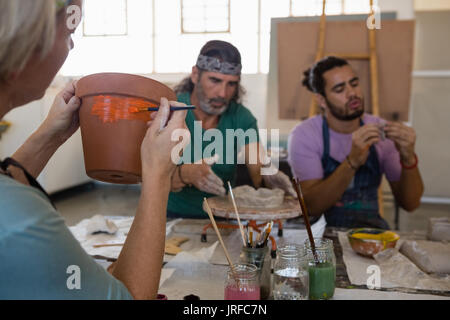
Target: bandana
[[215, 65]]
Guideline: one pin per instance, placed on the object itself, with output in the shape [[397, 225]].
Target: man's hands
[[404, 138], [202, 177], [362, 140], [62, 120], [280, 180]]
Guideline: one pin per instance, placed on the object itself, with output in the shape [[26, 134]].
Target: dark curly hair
[[224, 51], [314, 80]]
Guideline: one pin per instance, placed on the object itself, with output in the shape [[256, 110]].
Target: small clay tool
[[172, 108], [173, 245]]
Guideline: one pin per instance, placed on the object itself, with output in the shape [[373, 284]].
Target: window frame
[[84, 34], [183, 31]]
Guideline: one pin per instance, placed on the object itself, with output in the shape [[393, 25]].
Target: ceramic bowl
[[370, 241]]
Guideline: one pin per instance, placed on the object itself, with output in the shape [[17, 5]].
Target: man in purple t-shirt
[[340, 156]]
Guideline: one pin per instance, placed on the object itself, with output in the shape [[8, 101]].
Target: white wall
[[66, 168]]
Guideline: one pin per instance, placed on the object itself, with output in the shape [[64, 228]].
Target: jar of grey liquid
[[291, 279], [260, 257]]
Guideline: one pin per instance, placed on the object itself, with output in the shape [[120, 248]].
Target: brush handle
[[172, 108]]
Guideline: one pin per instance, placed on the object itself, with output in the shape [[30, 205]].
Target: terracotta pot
[[111, 134]]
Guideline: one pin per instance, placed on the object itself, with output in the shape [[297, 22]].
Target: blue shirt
[[37, 251]]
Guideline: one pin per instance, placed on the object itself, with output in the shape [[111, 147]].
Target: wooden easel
[[371, 57]]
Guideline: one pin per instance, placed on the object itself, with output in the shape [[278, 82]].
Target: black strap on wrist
[[31, 180]]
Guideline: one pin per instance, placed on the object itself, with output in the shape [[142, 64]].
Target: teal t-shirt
[[205, 143], [39, 256]]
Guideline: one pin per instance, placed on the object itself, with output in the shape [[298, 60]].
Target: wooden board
[[297, 46], [223, 207]]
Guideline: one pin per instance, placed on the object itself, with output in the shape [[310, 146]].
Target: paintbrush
[[266, 232], [237, 214], [251, 237], [172, 108], [301, 200], [211, 217]]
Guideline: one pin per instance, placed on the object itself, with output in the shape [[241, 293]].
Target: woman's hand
[[62, 120], [160, 139]]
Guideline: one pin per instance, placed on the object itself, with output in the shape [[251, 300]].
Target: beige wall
[[431, 100], [432, 49], [431, 5], [431, 120]]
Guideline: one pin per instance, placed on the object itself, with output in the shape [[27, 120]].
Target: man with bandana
[[340, 156], [214, 88]]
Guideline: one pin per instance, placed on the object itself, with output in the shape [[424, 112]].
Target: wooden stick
[[108, 245], [237, 215], [319, 53], [211, 217], [301, 200]]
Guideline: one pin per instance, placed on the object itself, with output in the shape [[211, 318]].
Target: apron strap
[[31, 180]]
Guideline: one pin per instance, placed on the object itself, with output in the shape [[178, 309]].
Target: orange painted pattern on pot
[[113, 108]]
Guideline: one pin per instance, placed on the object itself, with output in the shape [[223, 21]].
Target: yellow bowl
[[370, 241]]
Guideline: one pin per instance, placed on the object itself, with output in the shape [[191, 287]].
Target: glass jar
[[242, 283], [290, 278], [261, 258], [321, 269]]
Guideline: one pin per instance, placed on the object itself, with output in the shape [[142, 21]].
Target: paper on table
[[397, 271], [123, 224], [194, 275], [166, 273], [402, 272]]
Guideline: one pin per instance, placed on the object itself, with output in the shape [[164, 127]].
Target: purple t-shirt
[[305, 149]]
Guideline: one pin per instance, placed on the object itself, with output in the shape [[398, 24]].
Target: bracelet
[[350, 164], [181, 179], [412, 166]]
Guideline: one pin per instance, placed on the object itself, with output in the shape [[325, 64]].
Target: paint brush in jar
[[304, 209], [172, 108]]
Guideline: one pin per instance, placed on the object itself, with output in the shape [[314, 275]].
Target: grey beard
[[207, 108]]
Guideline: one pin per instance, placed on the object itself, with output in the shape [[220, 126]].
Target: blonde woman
[[36, 248]]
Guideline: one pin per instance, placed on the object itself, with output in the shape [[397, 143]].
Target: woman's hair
[[224, 51], [314, 80], [26, 27]]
